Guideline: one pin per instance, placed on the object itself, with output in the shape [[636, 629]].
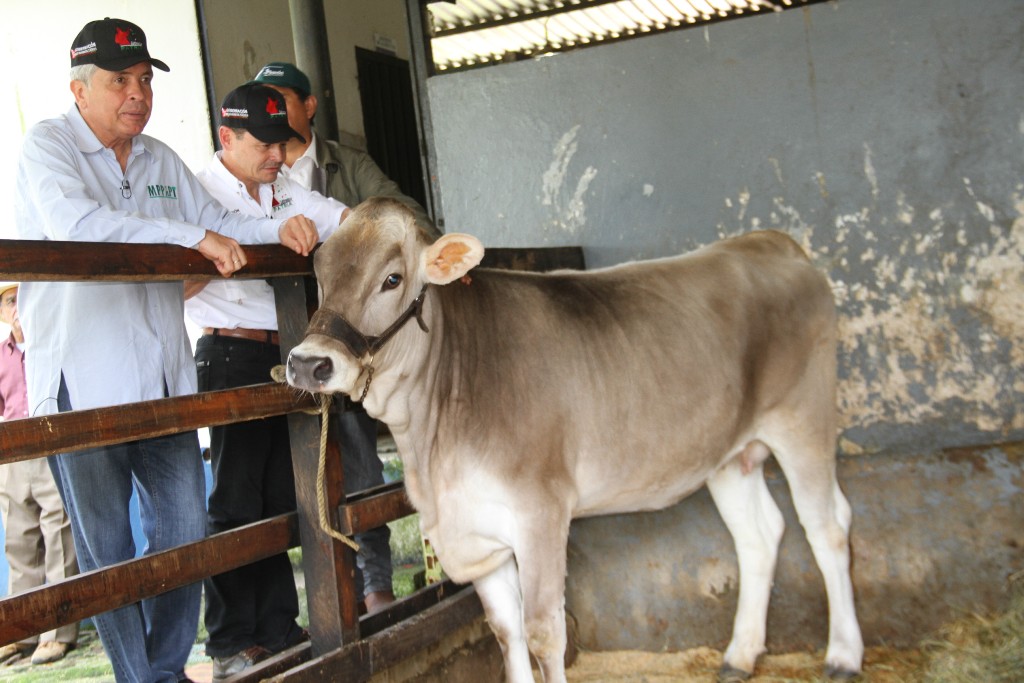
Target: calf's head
[[373, 275]]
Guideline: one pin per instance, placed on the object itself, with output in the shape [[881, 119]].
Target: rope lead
[[278, 375]]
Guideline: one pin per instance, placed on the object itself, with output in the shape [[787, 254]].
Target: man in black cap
[[250, 611], [92, 175]]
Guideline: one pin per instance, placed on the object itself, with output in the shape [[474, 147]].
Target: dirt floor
[[881, 665]]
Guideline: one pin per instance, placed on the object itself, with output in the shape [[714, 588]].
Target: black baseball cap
[[112, 45], [259, 110]]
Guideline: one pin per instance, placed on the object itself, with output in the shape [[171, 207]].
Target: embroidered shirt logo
[[162, 191], [277, 204]]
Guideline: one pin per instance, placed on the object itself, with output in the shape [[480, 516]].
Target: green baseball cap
[[284, 75]]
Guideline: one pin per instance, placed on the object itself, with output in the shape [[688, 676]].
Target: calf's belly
[[610, 496]]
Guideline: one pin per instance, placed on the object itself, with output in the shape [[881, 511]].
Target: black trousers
[[253, 480]]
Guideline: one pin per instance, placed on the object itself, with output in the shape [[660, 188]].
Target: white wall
[[35, 40]]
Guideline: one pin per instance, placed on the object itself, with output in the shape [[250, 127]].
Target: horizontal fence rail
[[76, 430], [101, 590], [33, 260]]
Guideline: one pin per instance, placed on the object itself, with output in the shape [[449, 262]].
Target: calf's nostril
[[323, 370]]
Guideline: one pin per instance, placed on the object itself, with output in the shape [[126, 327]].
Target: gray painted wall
[[885, 135]]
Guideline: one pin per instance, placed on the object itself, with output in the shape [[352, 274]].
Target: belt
[[265, 336]]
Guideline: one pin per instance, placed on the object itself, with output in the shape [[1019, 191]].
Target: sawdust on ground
[[700, 665]]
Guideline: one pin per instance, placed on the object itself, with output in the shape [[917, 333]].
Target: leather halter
[[332, 324]]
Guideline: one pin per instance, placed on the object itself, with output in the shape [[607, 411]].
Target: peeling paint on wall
[[569, 213], [931, 321]]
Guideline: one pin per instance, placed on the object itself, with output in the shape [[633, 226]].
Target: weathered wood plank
[[407, 607], [46, 260], [373, 508], [390, 617], [360, 660], [47, 607], [68, 432]]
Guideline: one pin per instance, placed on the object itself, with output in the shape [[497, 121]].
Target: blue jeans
[[149, 641]]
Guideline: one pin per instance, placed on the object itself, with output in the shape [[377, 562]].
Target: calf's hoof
[[833, 673], [730, 674]]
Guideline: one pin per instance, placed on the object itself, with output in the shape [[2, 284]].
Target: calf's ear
[[450, 257]]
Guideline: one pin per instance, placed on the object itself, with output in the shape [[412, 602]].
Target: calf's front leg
[[502, 599], [541, 553]]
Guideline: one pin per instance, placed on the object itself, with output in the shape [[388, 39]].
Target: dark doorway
[[389, 119]]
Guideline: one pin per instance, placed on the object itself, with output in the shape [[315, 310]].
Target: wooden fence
[[343, 645]]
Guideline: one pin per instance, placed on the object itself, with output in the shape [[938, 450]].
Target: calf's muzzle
[[311, 370]]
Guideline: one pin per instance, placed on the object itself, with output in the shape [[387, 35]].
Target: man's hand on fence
[[299, 234], [225, 252]]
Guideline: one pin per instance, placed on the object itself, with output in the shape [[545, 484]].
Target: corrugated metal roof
[[469, 33]]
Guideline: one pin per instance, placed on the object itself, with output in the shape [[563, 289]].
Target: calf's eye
[[391, 281]]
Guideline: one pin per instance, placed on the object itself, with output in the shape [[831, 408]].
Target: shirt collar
[[222, 174], [9, 345], [310, 152]]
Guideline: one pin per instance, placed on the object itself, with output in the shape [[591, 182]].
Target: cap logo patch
[[234, 113], [123, 38], [272, 106], [77, 52]]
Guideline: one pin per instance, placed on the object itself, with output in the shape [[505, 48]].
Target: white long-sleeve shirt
[[250, 303], [114, 342]]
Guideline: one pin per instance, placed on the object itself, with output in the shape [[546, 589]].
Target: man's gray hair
[[84, 73]]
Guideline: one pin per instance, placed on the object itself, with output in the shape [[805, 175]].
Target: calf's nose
[[314, 368]]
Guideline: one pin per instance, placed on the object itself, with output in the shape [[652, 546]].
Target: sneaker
[[224, 667], [49, 651]]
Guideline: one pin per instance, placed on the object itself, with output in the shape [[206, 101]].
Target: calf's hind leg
[[756, 525], [825, 516]]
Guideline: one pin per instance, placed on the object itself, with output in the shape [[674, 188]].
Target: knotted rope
[[321, 490], [321, 469]]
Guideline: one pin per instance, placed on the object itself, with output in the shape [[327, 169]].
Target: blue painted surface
[[140, 540]]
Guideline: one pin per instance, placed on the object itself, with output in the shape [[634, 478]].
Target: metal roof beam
[[525, 16]]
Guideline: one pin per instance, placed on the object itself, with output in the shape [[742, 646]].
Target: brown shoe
[[9, 654], [378, 600], [50, 651]]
